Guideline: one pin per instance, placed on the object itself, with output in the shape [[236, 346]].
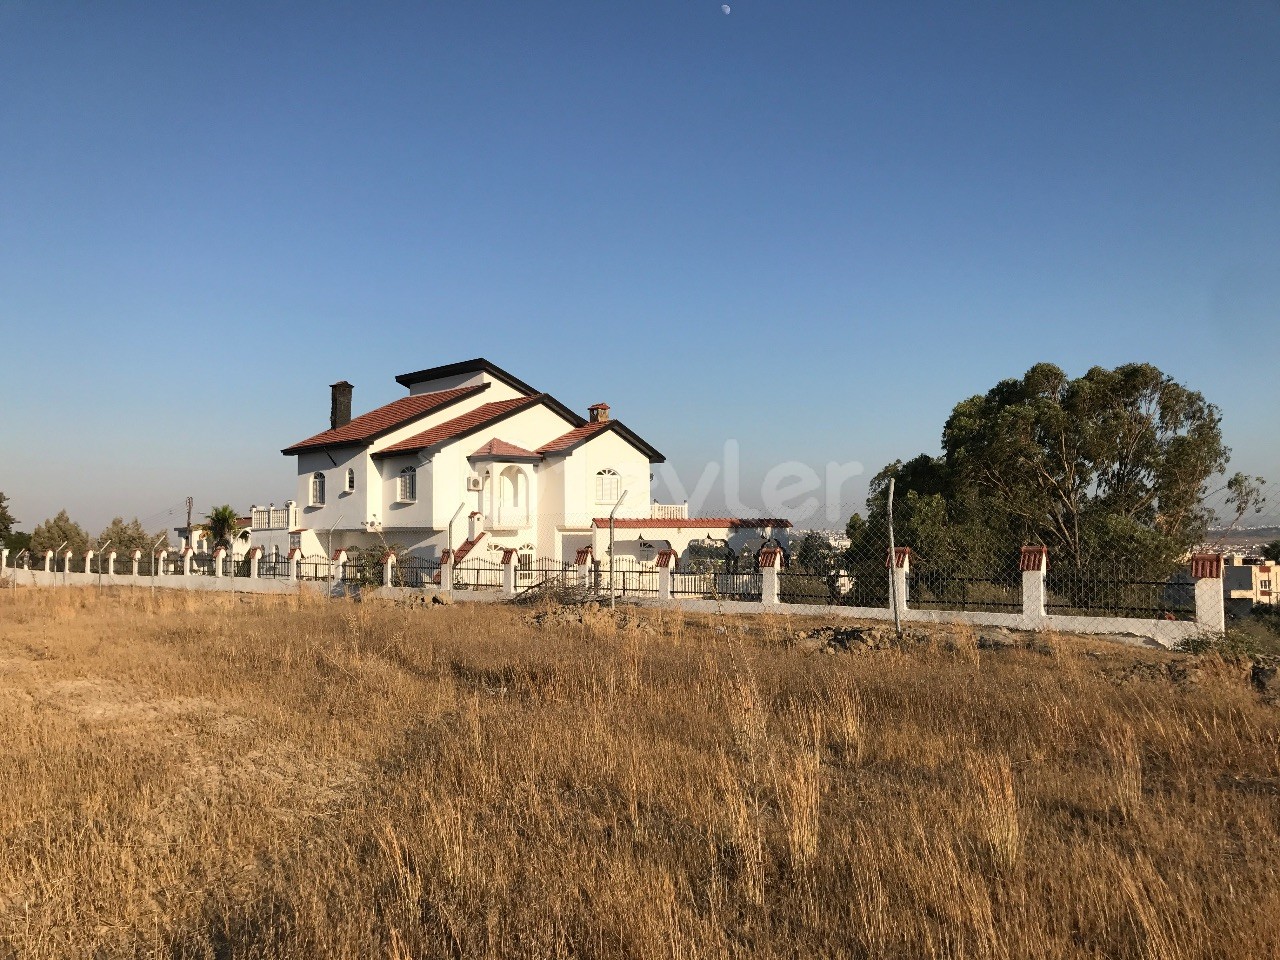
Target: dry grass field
[[218, 777]]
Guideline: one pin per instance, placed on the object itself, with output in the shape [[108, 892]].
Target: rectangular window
[[408, 486]]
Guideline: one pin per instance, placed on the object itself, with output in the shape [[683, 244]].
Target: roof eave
[[627, 433], [495, 458]]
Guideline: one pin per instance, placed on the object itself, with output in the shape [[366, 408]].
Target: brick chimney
[[339, 404], [598, 412]]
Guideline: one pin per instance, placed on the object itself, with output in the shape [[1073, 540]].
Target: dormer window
[[317, 489], [351, 480], [608, 486], [408, 485]]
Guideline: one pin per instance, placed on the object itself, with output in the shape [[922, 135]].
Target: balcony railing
[[508, 519], [275, 518], [670, 511]]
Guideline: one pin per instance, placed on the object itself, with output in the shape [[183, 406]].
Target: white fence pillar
[[508, 573], [666, 566], [48, 561], [4, 557], [446, 570], [388, 568], [899, 571], [187, 554], [1211, 615], [583, 564], [1033, 563], [255, 554], [88, 561], [339, 564], [770, 563], [291, 564], [111, 564], [158, 560], [218, 554], [66, 565], [137, 558]]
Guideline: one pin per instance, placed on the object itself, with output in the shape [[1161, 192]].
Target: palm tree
[[223, 526]]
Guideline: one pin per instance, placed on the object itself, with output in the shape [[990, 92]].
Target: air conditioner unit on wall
[[473, 482]]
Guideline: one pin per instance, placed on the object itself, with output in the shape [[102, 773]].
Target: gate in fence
[[477, 574], [414, 571], [544, 572]]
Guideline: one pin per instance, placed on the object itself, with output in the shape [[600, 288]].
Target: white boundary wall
[[1207, 570]]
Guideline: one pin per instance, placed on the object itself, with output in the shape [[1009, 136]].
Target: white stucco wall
[[605, 451]]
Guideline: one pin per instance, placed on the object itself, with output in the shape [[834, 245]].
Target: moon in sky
[[725, 8]]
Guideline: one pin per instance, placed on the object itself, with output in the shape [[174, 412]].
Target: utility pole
[[612, 599]]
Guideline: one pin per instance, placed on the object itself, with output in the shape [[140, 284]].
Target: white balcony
[[669, 511], [275, 518], [510, 518]]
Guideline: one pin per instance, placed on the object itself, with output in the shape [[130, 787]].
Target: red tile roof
[[369, 425], [709, 523], [470, 421], [574, 437], [467, 546], [497, 449], [579, 435]]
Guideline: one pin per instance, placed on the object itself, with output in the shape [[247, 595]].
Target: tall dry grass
[[206, 776]]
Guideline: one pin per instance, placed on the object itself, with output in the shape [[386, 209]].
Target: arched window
[[317, 489], [608, 486], [408, 491], [351, 480]]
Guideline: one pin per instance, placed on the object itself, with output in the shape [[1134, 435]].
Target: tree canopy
[[59, 533], [1113, 463], [7, 522], [125, 538], [222, 524]]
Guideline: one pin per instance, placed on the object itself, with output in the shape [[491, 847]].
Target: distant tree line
[[61, 532]]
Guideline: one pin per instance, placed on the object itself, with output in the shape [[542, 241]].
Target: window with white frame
[[317, 489], [608, 486], [351, 480], [408, 485]]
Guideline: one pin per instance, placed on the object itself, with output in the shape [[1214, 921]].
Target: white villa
[[473, 459]]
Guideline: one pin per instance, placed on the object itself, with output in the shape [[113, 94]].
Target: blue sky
[[809, 227]]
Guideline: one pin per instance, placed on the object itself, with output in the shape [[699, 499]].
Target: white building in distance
[[474, 459]]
